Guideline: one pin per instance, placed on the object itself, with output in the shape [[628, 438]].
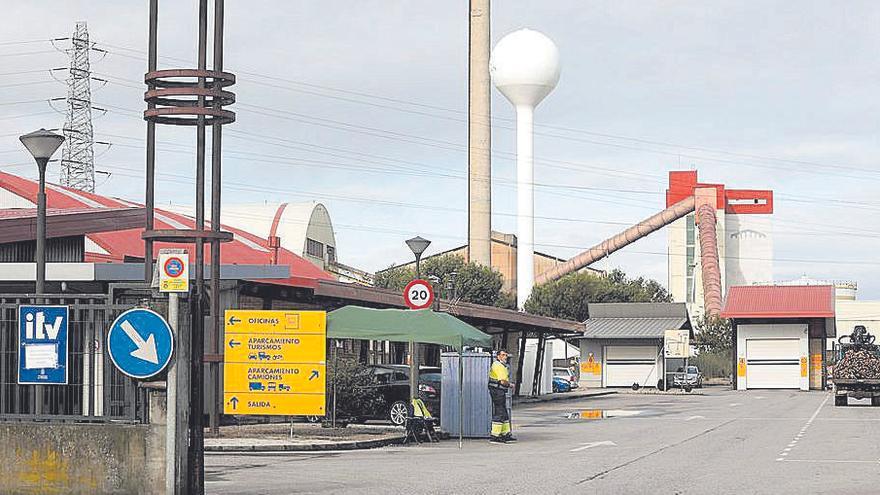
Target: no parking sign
[[173, 270]]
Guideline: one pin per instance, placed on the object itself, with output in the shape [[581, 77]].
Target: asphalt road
[[774, 442]]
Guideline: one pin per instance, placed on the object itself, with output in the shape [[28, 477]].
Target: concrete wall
[[59, 458]]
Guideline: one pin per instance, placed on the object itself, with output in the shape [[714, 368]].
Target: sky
[[362, 105]]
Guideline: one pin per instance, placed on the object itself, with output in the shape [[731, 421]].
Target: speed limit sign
[[418, 294]]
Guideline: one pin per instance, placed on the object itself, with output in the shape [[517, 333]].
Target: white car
[[567, 375]]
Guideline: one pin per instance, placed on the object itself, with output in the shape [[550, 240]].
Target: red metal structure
[[684, 196]]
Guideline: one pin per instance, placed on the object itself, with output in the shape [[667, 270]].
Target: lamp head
[[42, 144], [525, 67], [418, 245]]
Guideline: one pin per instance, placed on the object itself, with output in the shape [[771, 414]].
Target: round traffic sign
[[140, 343], [173, 267], [418, 294]]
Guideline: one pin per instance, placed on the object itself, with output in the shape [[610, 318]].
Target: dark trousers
[[500, 418]]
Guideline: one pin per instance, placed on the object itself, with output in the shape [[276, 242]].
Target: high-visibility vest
[[498, 372]]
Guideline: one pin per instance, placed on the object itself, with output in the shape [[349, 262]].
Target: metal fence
[[96, 391]]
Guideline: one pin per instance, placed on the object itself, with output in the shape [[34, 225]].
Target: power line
[[751, 156]]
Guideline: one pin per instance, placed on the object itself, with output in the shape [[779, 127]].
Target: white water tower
[[525, 68]]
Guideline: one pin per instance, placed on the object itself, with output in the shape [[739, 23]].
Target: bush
[[714, 364], [354, 394]]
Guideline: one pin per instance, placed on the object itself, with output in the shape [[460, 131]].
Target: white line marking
[[803, 430], [594, 444], [734, 404], [834, 461], [695, 417]]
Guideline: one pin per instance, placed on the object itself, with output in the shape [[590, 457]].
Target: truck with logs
[[856, 373]]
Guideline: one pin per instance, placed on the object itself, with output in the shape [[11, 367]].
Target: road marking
[[734, 404], [831, 461], [802, 431], [695, 417], [594, 444]]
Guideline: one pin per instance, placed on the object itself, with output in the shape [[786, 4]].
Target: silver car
[[694, 378]]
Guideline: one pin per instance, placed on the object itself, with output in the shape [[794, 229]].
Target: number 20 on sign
[[418, 294]]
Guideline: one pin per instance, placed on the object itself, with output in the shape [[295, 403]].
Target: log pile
[[858, 363]]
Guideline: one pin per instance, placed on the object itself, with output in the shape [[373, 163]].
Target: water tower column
[[525, 200]]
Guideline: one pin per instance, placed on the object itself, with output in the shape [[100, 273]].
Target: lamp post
[[418, 245], [42, 145]]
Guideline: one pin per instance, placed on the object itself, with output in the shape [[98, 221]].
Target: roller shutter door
[[773, 363], [625, 365]]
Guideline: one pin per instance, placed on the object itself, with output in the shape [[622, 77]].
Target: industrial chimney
[[525, 68]]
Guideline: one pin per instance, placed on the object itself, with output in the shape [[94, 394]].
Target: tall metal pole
[[171, 437], [42, 163], [41, 230], [479, 135], [216, 141], [197, 434], [149, 194]]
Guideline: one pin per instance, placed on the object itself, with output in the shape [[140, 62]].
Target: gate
[[96, 391]]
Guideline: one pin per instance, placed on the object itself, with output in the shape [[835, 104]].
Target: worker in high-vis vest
[[499, 383]]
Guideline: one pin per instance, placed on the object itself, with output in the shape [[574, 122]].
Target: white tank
[[525, 67]]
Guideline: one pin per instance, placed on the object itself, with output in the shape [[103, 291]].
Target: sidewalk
[[306, 438], [579, 393]]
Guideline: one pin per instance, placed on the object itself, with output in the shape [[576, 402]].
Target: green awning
[[400, 325]]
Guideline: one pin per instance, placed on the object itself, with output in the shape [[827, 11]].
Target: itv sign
[[42, 344]]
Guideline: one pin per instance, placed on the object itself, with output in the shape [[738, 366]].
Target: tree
[[568, 297], [455, 278], [713, 334]]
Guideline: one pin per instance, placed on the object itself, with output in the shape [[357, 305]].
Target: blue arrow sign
[[314, 374], [233, 320], [234, 402], [140, 343], [233, 344]]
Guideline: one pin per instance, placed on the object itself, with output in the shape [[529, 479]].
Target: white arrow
[[145, 350], [594, 444]]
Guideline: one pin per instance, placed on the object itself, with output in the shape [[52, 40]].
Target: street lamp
[[418, 245], [42, 145]]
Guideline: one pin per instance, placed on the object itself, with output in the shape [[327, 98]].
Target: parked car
[[568, 375], [560, 384], [392, 383], [694, 378]]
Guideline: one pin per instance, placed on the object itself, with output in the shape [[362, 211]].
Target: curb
[[555, 398], [313, 447]]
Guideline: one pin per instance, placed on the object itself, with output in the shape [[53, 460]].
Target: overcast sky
[[361, 105]]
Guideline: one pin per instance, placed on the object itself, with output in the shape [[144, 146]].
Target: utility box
[[477, 419]]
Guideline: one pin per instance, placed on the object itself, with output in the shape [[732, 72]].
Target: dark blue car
[[560, 384]]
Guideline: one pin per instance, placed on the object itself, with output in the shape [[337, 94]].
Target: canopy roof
[[401, 325]]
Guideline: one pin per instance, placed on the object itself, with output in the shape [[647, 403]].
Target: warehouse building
[[622, 343], [779, 335]]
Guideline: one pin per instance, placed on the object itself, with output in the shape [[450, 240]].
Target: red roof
[[779, 301], [244, 249]]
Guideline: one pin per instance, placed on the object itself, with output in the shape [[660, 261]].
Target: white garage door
[[625, 365], [773, 363]]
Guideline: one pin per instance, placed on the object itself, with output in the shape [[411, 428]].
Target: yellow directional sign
[[271, 378], [275, 362], [250, 322], [264, 349], [269, 404]]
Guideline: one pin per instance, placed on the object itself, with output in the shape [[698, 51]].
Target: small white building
[[779, 335], [623, 343]]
